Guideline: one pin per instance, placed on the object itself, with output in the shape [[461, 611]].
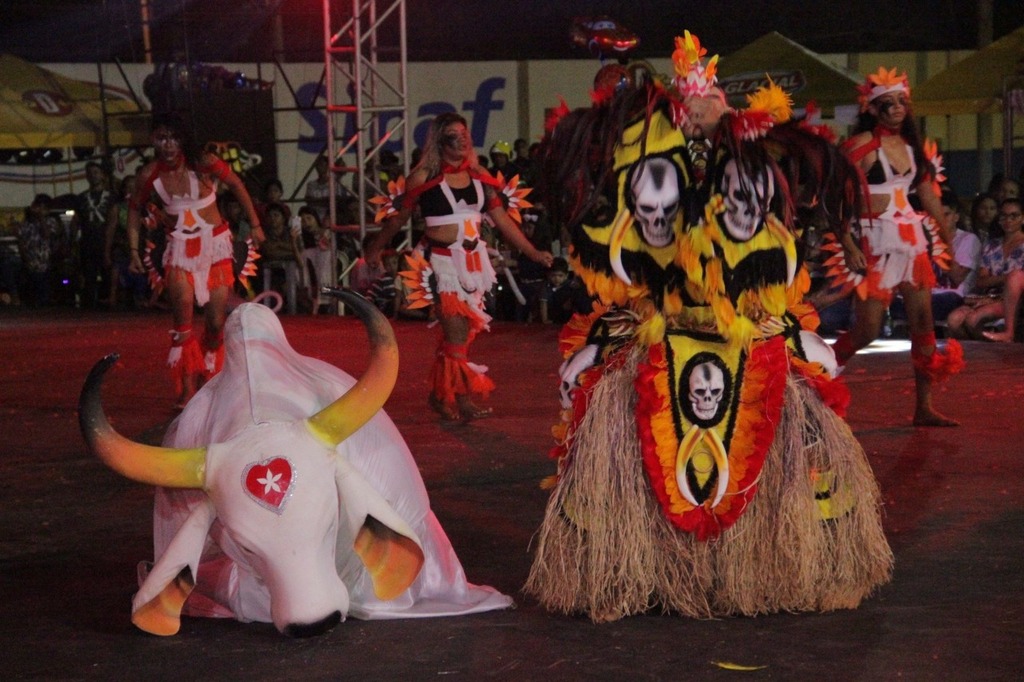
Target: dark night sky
[[462, 30]]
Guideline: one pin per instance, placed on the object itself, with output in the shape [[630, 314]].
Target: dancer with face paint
[[180, 188], [893, 245], [454, 272]]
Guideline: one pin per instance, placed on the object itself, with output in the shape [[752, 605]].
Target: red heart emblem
[[269, 482]]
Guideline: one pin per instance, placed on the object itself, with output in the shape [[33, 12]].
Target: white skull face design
[[745, 198], [656, 198], [707, 386]]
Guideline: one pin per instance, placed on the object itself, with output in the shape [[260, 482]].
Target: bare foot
[[998, 337], [932, 418], [448, 412], [470, 411]]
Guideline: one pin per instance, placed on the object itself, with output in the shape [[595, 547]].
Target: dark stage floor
[[73, 531]]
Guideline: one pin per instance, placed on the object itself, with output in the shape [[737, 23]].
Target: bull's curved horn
[[344, 416], [170, 467]]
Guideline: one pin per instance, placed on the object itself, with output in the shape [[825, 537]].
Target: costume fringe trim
[[417, 280], [452, 305], [156, 280], [213, 356], [833, 391], [811, 539], [453, 375], [185, 358], [937, 365]]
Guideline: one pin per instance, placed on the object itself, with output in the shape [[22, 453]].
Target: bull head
[[281, 491]]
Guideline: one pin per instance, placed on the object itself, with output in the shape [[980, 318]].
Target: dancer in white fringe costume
[[894, 245], [452, 269], [180, 185]]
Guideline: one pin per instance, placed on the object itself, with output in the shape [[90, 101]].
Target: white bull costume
[[264, 513]]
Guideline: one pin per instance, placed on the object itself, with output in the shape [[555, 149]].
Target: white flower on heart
[[270, 482]]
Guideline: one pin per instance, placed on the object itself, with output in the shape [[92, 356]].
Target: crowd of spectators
[[71, 251]]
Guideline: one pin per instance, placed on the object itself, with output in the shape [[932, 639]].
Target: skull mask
[[745, 200], [707, 386], [656, 198]]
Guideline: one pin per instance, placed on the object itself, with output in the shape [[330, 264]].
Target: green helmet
[[502, 147]]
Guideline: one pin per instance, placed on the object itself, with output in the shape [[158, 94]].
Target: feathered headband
[[881, 83], [693, 75]]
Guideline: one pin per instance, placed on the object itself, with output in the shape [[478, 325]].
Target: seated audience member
[[563, 295], [532, 276], [318, 192], [952, 285], [316, 253], [117, 253], [283, 243], [37, 241], [273, 194], [362, 275], [1000, 281], [10, 272], [521, 160], [835, 309], [233, 212], [384, 290], [1005, 188], [389, 167], [984, 211]]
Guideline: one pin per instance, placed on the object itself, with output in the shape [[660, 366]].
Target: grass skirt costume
[[810, 539], [704, 467]]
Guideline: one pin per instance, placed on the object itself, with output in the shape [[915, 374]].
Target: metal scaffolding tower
[[366, 93]]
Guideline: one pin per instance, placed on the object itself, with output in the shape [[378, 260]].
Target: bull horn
[[169, 467], [344, 416]]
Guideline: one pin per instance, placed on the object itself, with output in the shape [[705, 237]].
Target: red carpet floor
[[73, 531]]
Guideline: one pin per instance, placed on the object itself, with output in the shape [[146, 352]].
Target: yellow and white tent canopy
[[39, 108], [974, 85], [803, 74]]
